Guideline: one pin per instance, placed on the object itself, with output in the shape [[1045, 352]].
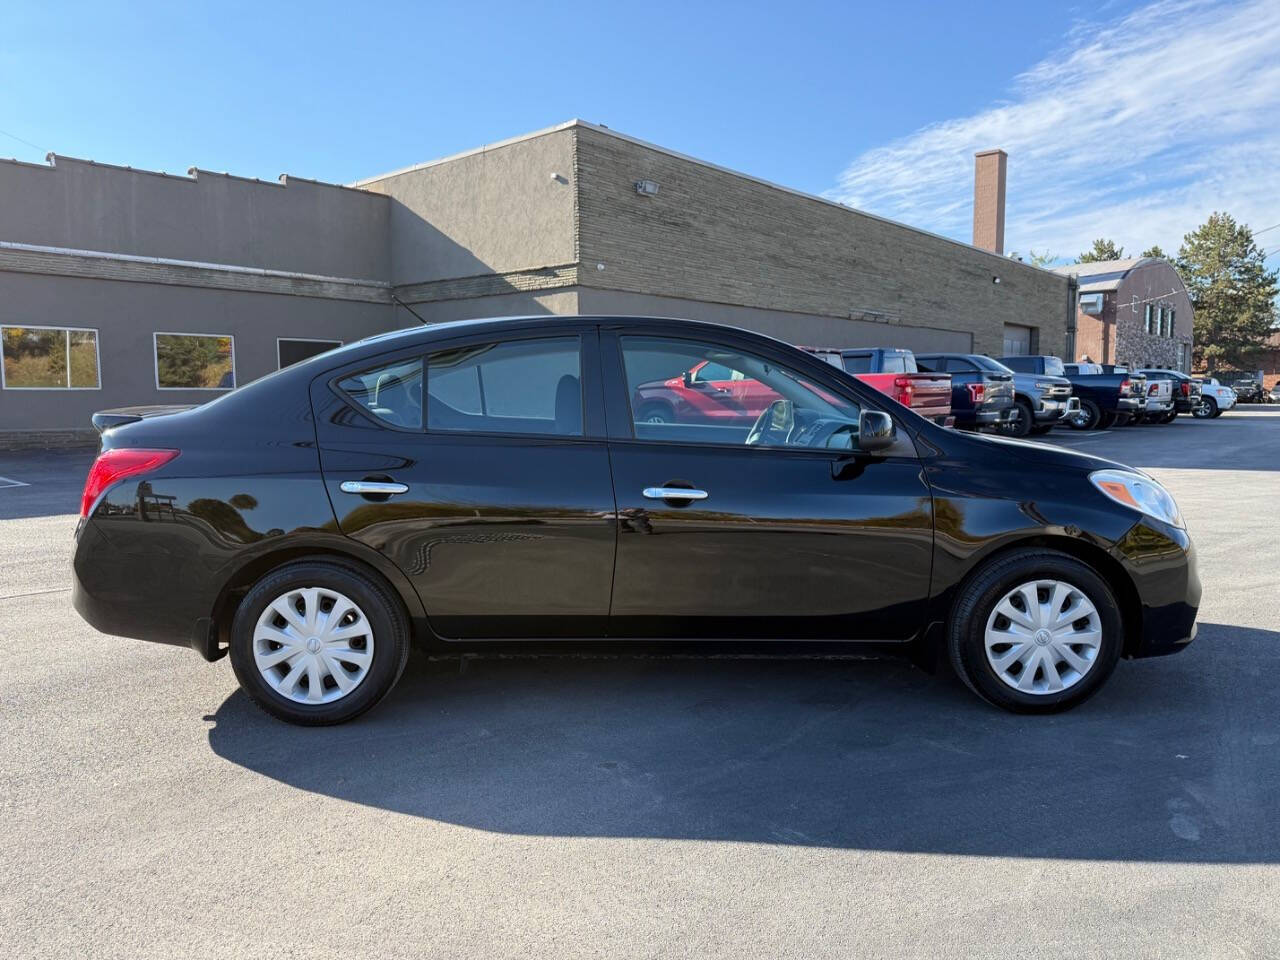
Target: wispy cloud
[[1137, 130]]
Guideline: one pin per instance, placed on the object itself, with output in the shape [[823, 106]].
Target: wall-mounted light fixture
[[646, 188], [995, 279]]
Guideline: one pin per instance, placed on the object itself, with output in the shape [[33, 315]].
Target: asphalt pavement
[[630, 807]]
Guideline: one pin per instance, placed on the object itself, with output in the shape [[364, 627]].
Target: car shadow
[[1176, 759]]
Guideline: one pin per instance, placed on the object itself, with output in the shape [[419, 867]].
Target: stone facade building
[[121, 286], [1132, 311]]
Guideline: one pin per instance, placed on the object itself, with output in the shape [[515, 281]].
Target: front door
[[481, 470], [770, 525]]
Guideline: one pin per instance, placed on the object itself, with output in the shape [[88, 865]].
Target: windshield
[[1053, 367], [986, 363]]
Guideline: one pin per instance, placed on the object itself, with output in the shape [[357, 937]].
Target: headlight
[[1140, 492]]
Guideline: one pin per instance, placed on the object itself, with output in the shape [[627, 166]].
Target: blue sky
[[879, 105]]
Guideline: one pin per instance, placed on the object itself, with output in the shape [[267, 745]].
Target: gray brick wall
[[714, 236]]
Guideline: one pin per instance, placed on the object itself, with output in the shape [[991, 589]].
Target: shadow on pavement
[[1175, 760]]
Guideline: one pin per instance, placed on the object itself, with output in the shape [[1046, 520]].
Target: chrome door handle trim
[[372, 486], [674, 493]]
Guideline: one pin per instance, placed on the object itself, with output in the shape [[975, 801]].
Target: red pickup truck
[[710, 392], [894, 372]]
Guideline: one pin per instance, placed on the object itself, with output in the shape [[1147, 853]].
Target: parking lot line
[[5, 483]]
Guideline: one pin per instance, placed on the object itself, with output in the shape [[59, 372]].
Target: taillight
[[113, 466], [905, 388], [1125, 388], [1186, 388], [977, 391], [1153, 390]]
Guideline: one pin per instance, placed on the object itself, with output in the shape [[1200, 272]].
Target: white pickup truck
[[1214, 398], [1160, 407]]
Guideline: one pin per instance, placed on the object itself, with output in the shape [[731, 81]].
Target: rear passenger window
[[521, 386], [392, 394]]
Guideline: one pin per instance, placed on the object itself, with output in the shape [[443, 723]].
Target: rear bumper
[[1159, 406], [986, 416], [110, 594], [1161, 562]]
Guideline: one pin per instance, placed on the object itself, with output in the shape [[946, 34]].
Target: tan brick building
[[114, 266]]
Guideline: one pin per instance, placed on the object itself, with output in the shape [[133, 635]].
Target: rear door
[[494, 495], [795, 537]]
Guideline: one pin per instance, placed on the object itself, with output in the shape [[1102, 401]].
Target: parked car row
[[1030, 395]]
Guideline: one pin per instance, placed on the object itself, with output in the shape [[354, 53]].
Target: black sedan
[[487, 485]]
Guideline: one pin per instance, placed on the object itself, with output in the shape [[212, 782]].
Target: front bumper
[[1161, 563], [1051, 411]]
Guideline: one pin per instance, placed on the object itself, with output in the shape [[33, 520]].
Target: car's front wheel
[[1208, 408], [1035, 631], [319, 642]]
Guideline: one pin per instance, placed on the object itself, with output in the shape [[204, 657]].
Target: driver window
[[760, 403]]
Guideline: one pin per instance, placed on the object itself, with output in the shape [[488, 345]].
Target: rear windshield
[[857, 363]]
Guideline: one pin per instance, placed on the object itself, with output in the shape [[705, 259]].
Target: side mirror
[[875, 430], [688, 378]]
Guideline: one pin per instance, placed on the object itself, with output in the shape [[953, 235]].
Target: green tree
[[1155, 252], [1103, 249], [1230, 288]]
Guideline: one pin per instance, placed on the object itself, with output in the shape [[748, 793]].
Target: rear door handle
[[674, 493], [366, 487]]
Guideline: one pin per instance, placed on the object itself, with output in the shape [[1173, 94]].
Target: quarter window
[[390, 393], [49, 358], [291, 351], [760, 400], [195, 361], [520, 386]]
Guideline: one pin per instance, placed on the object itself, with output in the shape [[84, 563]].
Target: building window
[[1173, 328], [294, 350], [49, 358], [195, 361], [1148, 317]]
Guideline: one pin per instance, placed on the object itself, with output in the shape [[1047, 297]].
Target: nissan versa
[[494, 485]]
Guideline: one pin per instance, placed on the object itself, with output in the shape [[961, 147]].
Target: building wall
[[125, 315], [807, 329], [292, 225], [1118, 334], [711, 236], [505, 209]]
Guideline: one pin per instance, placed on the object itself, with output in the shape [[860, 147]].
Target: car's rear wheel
[[318, 642], [1035, 631], [1208, 408], [1088, 416], [1040, 429]]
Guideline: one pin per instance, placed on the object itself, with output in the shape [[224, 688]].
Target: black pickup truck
[[981, 389], [1106, 399], [1041, 399]]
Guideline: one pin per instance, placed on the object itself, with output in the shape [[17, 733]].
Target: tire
[[1169, 417], [975, 619], [655, 413], [1089, 416], [1208, 408], [1040, 429], [1024, 420], [376, 622], [1217, 413], [1108, 420]]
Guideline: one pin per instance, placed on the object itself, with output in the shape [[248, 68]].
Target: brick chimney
[[989, 168]]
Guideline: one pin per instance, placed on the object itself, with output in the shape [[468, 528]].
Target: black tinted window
[[392, 393], [521, 386], [857, 362]]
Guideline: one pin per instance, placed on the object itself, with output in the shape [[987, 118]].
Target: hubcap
[[1043, 636], [313, 645]]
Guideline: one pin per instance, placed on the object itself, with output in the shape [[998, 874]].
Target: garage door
[[1017, 340]]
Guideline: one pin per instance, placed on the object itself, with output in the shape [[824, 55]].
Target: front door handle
[[674, 493], [375, 487]]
